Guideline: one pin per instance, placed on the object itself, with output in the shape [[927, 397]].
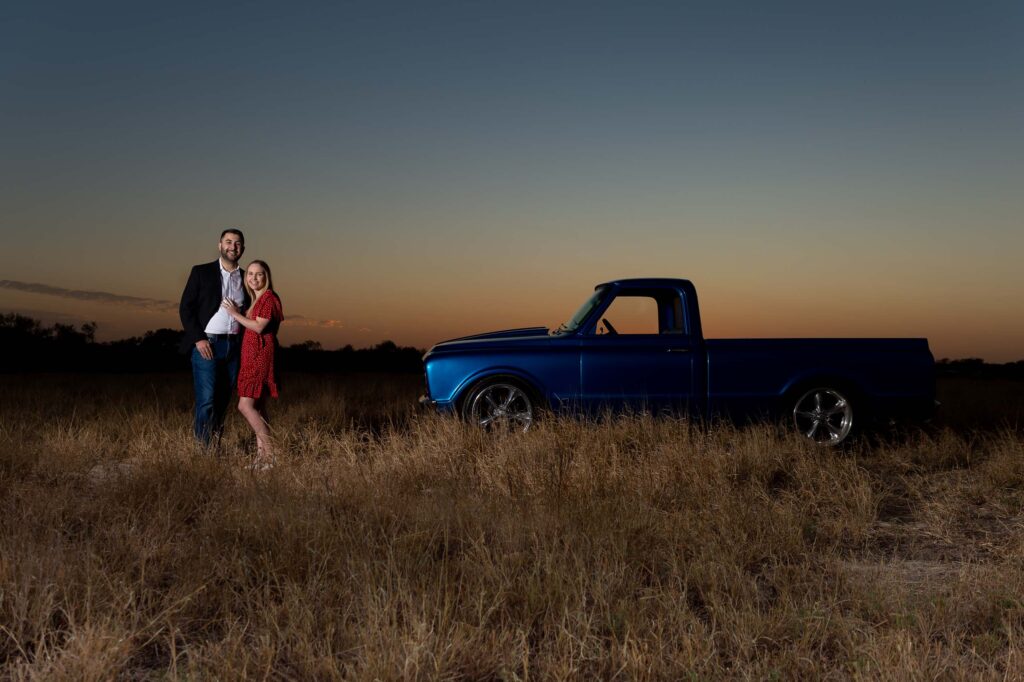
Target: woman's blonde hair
[[245, 280]]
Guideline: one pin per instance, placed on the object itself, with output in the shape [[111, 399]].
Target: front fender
[[499, 370]]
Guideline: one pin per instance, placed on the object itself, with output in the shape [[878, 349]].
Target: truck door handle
[[678, 350]]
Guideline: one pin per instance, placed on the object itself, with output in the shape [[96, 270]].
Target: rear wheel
[[500, 405], [824, 415]]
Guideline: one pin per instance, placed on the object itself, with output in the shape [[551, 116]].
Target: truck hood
[[490, 338]]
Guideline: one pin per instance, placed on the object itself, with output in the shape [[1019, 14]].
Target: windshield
[[576, 320]]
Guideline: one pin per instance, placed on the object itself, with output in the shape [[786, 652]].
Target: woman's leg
[[248, 408], [261, 408]]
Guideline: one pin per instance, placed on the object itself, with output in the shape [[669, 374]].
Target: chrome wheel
[[500, 406], [824, 415]]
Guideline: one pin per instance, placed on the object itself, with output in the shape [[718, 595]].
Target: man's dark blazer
[[200, 301]]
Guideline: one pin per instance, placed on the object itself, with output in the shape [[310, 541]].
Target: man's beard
[[230, 258]]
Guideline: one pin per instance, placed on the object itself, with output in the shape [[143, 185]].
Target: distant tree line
[[26, 345], [979, 369]]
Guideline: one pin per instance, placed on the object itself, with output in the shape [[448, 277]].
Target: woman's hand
[[230, 306]]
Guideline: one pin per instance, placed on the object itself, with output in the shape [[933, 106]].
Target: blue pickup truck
[[637, 344]]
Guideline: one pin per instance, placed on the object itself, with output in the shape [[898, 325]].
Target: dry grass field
[[387, 545]]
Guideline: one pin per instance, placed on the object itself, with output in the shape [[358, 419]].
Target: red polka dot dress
[[256, 373]]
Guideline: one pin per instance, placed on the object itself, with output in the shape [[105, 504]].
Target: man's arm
[[188, 311]]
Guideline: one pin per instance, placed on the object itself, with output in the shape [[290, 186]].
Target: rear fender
[[822, 379]]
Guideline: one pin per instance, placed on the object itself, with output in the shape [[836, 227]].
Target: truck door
[[638, 354]]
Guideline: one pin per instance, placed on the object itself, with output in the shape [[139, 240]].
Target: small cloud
[[303, 321], [365, 329], [153, 305]]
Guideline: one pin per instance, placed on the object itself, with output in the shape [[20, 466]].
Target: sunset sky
[[417, 171]]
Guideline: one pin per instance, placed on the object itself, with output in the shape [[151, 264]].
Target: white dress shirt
[[230, 287]]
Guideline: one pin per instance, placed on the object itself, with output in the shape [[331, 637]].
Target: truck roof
[[651, 282]]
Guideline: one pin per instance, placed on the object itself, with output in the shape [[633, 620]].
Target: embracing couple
[[231, 319]]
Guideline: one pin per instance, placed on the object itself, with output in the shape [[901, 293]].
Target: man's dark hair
[[232, 230]]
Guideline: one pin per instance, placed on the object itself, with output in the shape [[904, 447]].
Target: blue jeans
[[215, 382]]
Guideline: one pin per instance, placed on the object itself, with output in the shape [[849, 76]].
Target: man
[[212, 335]]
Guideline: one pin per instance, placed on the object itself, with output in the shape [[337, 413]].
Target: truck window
[[631, 315], [672, 309]]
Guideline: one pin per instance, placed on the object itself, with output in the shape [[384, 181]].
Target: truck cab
[[642, 347]]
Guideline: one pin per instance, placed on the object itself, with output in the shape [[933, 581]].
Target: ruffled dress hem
[[254, 389]]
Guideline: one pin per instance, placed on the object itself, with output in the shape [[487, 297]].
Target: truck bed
[[893, 375]]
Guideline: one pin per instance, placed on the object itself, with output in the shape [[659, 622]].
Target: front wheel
[[499, 405], [824, 415]]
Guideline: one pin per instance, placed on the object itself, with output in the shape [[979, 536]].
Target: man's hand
[[203, 346]]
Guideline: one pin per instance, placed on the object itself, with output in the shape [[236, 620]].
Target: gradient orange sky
[[415, 173]]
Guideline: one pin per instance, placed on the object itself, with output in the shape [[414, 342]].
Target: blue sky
[[422, 170]]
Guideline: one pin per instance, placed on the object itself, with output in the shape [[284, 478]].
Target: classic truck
[[637, 344]]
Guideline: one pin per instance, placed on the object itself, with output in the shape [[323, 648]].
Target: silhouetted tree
[[307, 345]]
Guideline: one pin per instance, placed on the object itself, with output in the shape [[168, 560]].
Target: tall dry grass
[[395, 546]]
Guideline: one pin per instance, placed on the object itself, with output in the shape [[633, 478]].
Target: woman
[[256, 376]]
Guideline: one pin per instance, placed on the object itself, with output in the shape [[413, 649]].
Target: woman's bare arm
[[257, 325]]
